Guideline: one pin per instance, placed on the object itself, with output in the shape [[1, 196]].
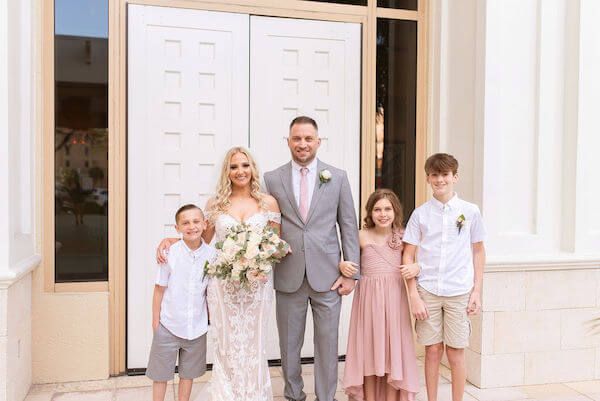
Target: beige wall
[[70, 334], [18, 353], [536, 328]]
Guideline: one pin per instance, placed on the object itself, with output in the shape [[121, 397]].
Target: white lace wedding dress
[[238, 318]]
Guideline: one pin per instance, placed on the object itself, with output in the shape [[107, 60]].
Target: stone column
[[528, 134], [17, 256]]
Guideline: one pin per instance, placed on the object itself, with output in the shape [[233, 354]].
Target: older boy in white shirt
[[179, 310], [449, 234]]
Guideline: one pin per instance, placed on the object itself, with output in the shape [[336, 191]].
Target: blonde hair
[[220, 202]]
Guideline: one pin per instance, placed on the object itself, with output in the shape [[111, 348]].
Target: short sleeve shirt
[[183, 310], [444, 250]]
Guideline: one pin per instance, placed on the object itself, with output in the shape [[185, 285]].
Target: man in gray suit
[[313, 197]]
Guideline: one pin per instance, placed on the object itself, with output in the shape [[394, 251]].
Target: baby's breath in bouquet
[[247, 254]]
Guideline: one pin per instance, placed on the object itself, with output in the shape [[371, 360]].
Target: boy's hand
[[411, 270], [474, 305], [419, 309], [155, 324], [347, 268]]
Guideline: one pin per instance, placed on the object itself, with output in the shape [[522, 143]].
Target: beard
[[305, 160]]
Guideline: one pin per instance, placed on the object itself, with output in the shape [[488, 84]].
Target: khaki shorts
[[447, 322], [166, 346]]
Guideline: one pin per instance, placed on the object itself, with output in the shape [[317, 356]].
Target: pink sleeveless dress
[[380, 341]]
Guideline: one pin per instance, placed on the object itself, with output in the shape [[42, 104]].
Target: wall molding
[[13, 274], [542, 262]]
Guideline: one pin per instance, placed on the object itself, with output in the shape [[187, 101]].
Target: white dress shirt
[[444, 254], [183, 310], [311, 176]]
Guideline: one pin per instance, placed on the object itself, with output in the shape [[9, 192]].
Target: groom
[[313, 197]]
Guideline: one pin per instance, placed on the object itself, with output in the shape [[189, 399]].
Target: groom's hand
[[343, 285]]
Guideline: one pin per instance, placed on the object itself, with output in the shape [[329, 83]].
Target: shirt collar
[[451, 204], [197, 251], [311, 167]]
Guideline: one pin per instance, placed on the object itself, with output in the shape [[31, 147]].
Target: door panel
[[187, 104], [305, 67]]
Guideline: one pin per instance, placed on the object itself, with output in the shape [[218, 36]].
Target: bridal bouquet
[[247, 254]]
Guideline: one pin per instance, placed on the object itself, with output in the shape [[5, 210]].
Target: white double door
[[201, 82]]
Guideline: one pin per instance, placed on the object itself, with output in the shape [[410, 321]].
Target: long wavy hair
[[395, 242], [220, 202]]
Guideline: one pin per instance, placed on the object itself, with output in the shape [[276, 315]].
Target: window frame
[[47, 140]]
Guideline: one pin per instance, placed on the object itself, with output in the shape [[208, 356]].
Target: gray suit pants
[[291, 322]]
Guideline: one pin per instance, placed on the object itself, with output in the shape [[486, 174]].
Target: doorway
[[200, 82]]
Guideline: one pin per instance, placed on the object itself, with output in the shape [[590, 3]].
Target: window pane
[[403, 4], [352, 2], [81, 140], [396, 109]]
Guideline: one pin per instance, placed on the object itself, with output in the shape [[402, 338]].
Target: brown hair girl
[[396, 240]]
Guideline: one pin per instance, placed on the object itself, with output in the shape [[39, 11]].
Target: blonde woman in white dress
[[238, 316]]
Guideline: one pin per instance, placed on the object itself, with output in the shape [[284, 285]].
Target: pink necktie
[[303, 193]]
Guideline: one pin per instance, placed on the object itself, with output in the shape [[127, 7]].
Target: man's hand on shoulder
[[343, 285]]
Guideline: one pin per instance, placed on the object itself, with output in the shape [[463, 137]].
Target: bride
[[238, 315]]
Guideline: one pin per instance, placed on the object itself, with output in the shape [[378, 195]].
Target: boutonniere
[[461, 221], [324, 177]]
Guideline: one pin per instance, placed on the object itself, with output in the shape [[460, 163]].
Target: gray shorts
[[163, 356]]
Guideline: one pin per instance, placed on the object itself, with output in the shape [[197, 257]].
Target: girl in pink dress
[[380, 360]]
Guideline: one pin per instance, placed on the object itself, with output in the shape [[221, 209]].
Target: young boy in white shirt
[[179, 310], [449, 235]]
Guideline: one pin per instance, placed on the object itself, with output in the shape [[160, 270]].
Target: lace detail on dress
[[239, 318], [274, 217]]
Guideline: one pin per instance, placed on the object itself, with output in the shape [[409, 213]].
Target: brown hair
[[388, 194], [304, 120], [441, 163], [184, 208]]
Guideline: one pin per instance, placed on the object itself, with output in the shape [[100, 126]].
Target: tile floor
[[134, 388]]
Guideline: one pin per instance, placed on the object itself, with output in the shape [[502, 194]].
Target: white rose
[[221, 259], [326, 174], [238, 267], [269, 249], [228, 243], [251, 251], [229, 250], [242, 237], [253, 239], [265, 267]]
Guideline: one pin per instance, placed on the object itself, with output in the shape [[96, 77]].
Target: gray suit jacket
[[315, 244]]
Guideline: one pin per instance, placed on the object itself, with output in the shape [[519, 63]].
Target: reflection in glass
[[396, 109], [402, 4], [351, 2], [81, 140]]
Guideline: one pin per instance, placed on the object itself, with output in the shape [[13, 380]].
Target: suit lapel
[[286, 179], [317, 192]]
